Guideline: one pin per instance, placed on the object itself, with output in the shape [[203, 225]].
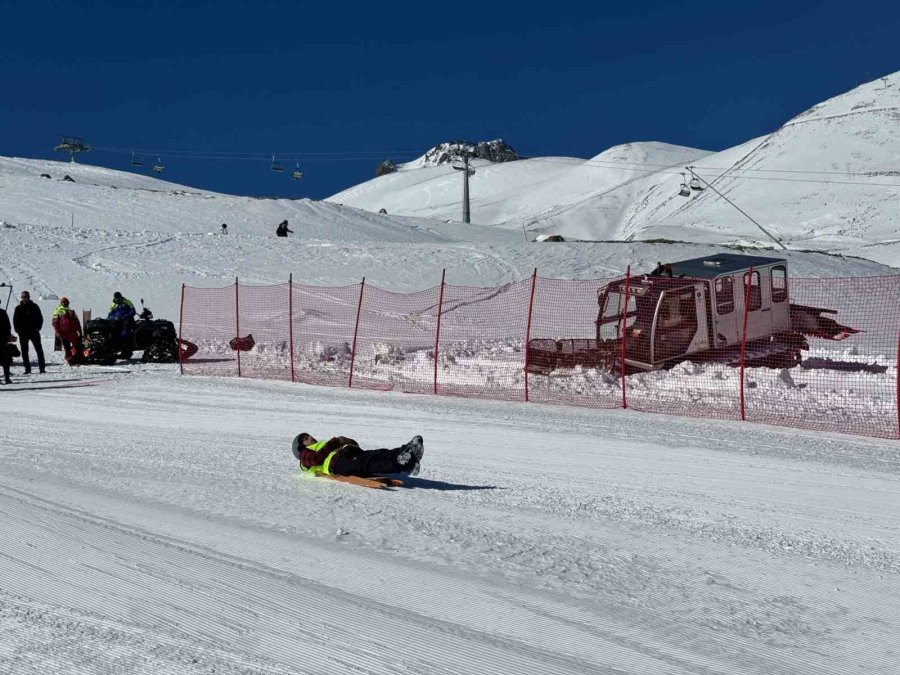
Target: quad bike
[[106, 340]]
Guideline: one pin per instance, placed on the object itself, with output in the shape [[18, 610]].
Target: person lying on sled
[[342, 456]]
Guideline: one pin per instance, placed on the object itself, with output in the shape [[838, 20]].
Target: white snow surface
[[827, 180], [155, 524], [114, 230], [152, 523]]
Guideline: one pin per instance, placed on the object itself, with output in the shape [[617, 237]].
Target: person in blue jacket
[[122, 312]]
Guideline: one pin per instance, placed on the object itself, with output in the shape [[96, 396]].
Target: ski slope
[[155, 524], [112, 230], [152, 523]]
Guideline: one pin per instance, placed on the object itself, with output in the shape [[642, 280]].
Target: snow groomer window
[[755, 292], [779, 284], [725, 295]]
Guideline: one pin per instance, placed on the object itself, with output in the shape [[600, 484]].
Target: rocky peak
[[446, 153]]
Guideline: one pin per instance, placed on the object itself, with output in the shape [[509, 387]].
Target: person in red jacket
[[342, 456], [68, 328]]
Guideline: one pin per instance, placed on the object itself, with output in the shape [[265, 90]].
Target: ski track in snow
[[155, 524]]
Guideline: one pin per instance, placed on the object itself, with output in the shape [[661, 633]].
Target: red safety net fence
[[817, 354]]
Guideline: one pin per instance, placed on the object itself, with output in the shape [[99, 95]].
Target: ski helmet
[[297, 446]]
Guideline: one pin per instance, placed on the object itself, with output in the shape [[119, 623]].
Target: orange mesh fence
[[395, 340], [566, 311], [264, 321], [662, 322], [481, 353], [849, 384], [809, 353], [324, 320], [208, 320]]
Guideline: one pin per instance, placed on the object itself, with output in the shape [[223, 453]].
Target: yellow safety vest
[[324, 466]]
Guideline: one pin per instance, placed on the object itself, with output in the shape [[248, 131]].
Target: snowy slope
[[827, 180], [155, 524], [146, 237], [179, 539], [531, 189]]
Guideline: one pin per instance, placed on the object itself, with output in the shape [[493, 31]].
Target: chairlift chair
[[297, 174], [685, 191], [695, 184], [276, 166], [158, 167], [135, 160]]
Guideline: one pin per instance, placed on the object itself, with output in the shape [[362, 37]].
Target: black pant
[[68, 347], [5, 361], [350, 461], [35, 339]]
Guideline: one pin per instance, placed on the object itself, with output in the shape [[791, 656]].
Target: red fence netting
[[472, 342]]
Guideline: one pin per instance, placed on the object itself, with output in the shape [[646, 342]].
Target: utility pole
[[747, 215], [466, 173]]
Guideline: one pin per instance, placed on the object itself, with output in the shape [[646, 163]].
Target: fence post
[[437, 333], [748, 282], [362, 287], [291, 321], [180, 328], [624, 335], [528, 331], [237, 321]]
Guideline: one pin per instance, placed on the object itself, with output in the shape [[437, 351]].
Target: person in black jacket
[[5, 333], [282, 230], [28, 321]]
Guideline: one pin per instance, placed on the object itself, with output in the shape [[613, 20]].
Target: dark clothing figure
[[282, 229], [28, 321], [5, 356], [342, 456], [224, 228]]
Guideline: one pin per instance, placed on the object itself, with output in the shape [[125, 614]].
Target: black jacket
[[5, 331], [27, 319], [5, 356]]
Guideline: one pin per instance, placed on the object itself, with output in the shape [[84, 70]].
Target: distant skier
[[5, 352], [282, 229], [342, 456], [28, 321], [224, 228]]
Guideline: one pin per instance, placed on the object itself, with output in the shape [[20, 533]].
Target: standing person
[[342, 456], [224, 228], [5, 334], [28, 321], [68, 328], [282, 230]]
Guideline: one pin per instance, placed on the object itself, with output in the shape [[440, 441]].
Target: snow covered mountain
[[154, 523], [447, 153], [108, 230], [826, 180]]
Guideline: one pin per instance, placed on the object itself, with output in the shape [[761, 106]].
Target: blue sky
[[342, 85]]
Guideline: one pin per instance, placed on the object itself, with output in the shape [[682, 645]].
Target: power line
[[646, 167]]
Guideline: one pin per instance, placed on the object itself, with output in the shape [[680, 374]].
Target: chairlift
[[695, 184], [296, 174], [276, 166], [135, 160], [685, 191], [158, 167]]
